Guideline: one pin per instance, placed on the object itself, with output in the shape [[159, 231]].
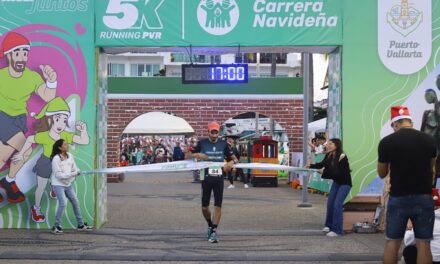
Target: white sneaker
[[326, 229], [332, 234], [246, 186], [231, 186]]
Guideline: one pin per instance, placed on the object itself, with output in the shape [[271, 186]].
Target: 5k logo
[[133, 14]]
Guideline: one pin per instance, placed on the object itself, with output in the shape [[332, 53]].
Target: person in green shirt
[[53, 122], [17, 83]]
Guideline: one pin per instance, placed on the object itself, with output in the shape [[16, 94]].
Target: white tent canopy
[[317, 126], [158, 123]]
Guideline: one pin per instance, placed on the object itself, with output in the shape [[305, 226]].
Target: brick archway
[[199, 112]]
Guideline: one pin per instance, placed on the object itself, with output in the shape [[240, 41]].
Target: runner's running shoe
[[209, 232], [213, 238]]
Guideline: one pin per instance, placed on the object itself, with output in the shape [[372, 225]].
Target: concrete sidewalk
[[157, 217]]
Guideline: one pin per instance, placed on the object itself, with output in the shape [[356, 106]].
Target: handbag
[[435, 197]]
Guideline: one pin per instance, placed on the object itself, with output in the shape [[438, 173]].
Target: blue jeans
[[336, 197], [63, 192], [418, 208]]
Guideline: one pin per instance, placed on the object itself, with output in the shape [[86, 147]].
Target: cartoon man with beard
[[17, 83]]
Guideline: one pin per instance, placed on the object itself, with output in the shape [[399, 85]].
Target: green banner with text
[[162, 23]]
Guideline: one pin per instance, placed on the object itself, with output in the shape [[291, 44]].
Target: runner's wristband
[[51, 85]]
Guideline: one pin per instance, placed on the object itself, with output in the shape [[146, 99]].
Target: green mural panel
[[46, 51], [371, 85]]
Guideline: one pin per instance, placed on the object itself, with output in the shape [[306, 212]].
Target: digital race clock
[[214, 73]]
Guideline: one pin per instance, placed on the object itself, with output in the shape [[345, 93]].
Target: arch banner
[[162, 23]]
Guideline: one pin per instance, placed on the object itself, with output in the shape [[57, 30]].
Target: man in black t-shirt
[[213, 149], [409, 155], [230, 139]]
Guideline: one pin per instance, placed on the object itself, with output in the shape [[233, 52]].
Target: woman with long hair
[[64, 171], [52, 125], [335, 166]]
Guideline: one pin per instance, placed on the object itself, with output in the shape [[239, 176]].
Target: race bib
[[215, 170]]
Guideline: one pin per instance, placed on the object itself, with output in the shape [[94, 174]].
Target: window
[[184, 57], [246, 58], [114, 69], [268, 75], [144, 70], [281, 58]]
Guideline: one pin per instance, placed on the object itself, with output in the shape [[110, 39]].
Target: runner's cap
[[213, 126]]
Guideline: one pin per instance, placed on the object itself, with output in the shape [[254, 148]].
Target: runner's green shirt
[[44, 139], [15, 92]]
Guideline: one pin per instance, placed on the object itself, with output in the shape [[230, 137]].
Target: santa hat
[[399, 112], [13, 41], [53, 107]]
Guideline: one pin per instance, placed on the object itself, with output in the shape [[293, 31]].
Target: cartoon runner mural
[[16, 87], [51, 127]]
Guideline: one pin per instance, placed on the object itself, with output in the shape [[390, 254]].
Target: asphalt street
[[157, 217]]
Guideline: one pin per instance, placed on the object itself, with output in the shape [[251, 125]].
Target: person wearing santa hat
[[51, 127], [17, 83], [409, 156]]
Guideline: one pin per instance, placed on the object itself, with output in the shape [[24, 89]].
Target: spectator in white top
[[410, 250], [64, 171], [320, 141]]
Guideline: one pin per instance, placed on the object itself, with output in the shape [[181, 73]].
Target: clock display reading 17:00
[[229, 73], [218, 73]]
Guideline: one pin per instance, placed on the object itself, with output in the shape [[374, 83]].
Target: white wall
[[290, 69]]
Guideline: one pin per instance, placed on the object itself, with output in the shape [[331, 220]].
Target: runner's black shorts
[[213, 184]]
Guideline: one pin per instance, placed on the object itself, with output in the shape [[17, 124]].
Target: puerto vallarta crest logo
[[218, 17], [403, 18]]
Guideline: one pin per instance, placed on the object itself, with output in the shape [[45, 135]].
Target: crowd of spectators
[[138, 150]]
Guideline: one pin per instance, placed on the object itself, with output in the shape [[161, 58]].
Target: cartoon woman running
[[53, 122]]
